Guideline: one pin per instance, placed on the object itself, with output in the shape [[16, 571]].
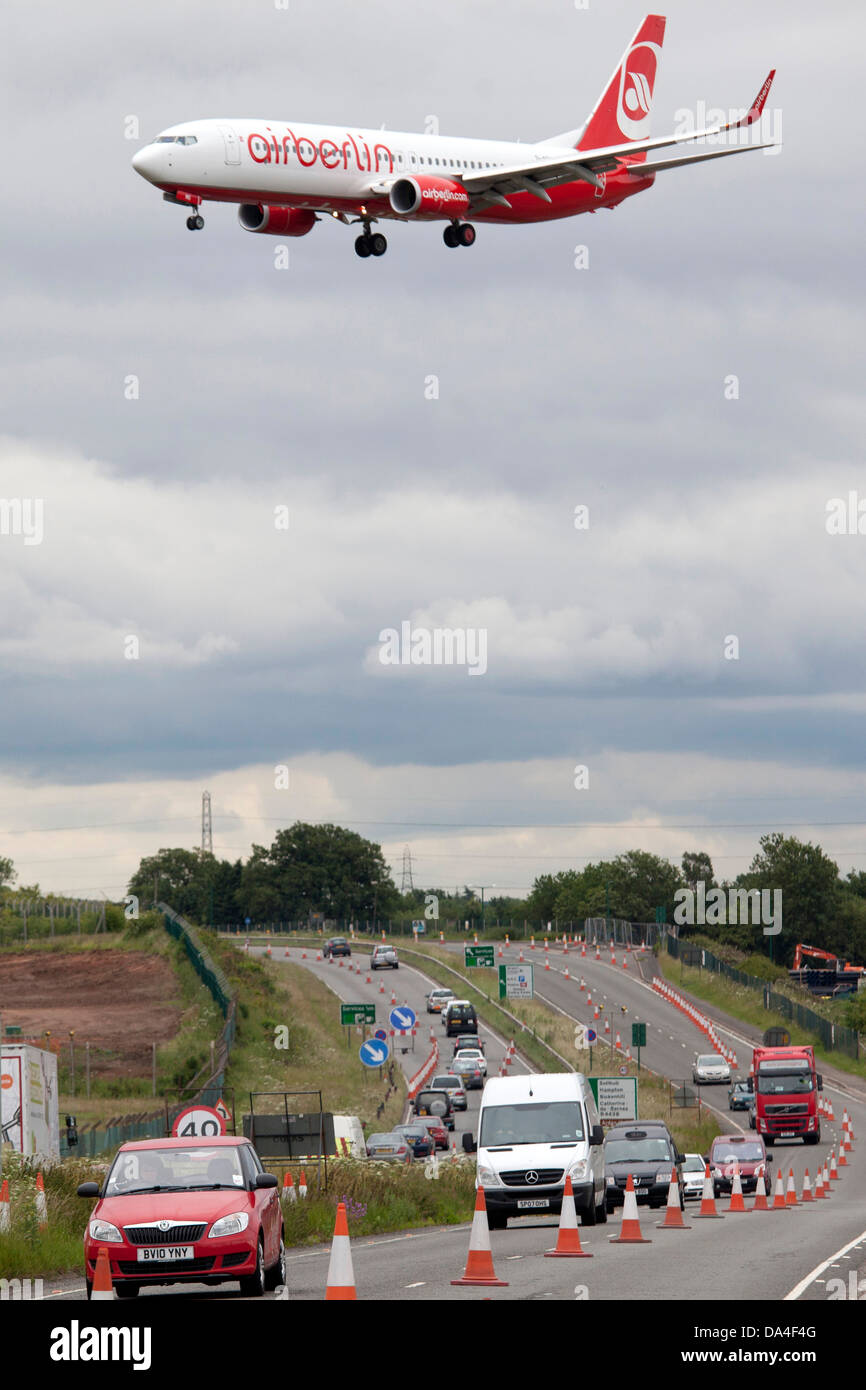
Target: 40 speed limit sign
[[198, 1122]]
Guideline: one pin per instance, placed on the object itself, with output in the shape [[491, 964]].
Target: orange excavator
[[830, 978], [803, 950]]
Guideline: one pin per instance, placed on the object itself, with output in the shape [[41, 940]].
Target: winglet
[[756, 110]]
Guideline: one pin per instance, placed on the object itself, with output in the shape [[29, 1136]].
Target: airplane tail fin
[[623, 111]]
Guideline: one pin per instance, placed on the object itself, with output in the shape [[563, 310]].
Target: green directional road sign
[[478, 955], [357, 1013]]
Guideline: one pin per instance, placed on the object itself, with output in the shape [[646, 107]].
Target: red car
[[186, 1211]]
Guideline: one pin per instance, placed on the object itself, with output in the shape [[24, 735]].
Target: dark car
[[436, 1104], [739, 1096], [460, 1017], [646, 1150], [745, 1151], [419, 1137], [468, 1040], [337, 946]]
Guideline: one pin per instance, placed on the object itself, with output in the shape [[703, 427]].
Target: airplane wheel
[[450, 235], [363, 247], [378, 244], [467, 234], [199, 222], [190, 222]]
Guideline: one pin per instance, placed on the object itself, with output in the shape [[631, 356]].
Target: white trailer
[[29, 1118]]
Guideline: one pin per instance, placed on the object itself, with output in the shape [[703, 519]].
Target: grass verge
[[746, 1004]]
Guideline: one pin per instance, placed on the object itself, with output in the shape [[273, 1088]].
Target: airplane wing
[[661, 164], [541, 174]]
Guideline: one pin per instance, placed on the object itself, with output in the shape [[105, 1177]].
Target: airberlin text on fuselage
[[271, 149]]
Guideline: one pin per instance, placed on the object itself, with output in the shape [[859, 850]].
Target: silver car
[[694, 1171], [455, 1088], [389, 1148], [711, 1069]]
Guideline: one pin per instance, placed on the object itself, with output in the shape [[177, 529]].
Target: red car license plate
[[156, 1254]]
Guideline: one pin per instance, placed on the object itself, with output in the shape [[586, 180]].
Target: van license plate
[[534, 1203], [157, 1253], [787, 1134]]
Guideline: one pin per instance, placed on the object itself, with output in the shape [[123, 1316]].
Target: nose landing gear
[[195, 222]]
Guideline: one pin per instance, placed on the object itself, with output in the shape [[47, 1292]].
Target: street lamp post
[[480, 887]]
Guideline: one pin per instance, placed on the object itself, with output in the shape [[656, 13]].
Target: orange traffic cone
[[843, 1162], [779, 1203], [289, 1194], [568, 1240], [708, 1197], [807, 1189], [826, 1176], [761, 1203], [102, 1285], [5, 1207], [479, 1265], [673, 1214], [736, 1203], [791, 1194], [819, 1187], [41, 1204], [341, 1279], [302, 1184], [834, 1171], [629, 1232]]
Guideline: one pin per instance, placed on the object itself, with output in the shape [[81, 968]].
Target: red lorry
[[786, 1085]]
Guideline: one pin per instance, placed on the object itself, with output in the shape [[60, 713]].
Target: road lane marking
[[811, 1277]]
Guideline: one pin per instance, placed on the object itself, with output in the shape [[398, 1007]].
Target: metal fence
[[835, 1037]]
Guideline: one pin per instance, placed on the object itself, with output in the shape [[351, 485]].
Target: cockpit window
[[165, 139], [187, 140], [176, 140]]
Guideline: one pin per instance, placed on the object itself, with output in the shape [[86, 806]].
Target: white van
[[532, 1132]]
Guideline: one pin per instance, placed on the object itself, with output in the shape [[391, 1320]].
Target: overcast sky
[[304, 389]]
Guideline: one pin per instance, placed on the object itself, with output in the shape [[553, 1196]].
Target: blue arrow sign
[[403, 1017], [381, 1035], [591, 1035], [374, 1052]]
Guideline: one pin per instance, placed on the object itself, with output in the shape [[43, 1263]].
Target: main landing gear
[[370, 244], [459, 234]]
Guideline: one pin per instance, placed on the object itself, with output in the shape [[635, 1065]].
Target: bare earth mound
[[115, 1000]]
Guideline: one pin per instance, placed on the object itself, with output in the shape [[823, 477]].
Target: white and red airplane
[[285, 176]]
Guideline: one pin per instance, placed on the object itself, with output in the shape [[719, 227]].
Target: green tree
[[318, 868], [7, 872], [697, 867], [639, 883], [811, 893]]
